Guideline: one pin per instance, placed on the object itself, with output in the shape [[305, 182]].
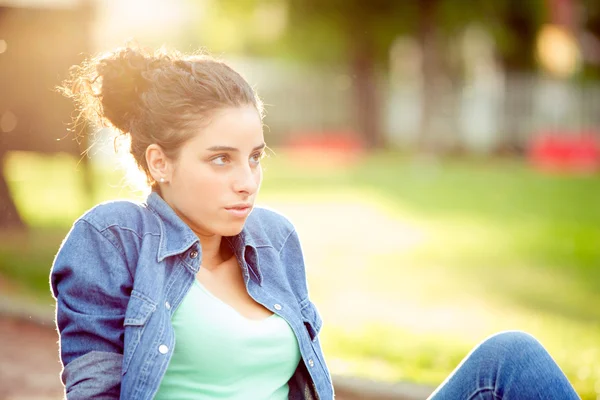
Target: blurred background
[[439, 158]]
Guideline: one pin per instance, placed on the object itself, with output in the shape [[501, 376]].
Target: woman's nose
[[247, 180]]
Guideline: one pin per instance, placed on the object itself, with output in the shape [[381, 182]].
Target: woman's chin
[[232, 229]]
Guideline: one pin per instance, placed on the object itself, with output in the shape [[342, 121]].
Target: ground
[[29, 366]]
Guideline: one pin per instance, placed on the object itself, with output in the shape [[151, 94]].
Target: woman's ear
[[159, 164]]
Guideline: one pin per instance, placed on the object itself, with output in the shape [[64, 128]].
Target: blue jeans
[[509, 366]]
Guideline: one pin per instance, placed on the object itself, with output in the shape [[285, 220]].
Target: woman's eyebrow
[[229, 148]]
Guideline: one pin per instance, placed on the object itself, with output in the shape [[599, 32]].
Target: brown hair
[[155, 97]]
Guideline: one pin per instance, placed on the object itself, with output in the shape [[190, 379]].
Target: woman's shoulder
[[126, 214], [269, 227]]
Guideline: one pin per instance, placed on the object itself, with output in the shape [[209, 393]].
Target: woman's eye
[[255, 158], [220, 160]]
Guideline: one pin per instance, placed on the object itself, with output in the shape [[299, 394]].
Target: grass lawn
[[411, 262]]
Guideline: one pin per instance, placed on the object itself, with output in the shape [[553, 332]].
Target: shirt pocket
[[138, 312], [311, 318]]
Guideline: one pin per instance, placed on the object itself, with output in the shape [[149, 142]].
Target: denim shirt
[[125, 267]]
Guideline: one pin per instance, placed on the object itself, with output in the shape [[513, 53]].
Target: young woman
[[195, 293]]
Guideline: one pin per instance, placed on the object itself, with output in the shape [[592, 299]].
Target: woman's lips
[[239, 211]]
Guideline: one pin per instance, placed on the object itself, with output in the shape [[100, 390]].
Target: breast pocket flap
[[312, 319], [139, 309]]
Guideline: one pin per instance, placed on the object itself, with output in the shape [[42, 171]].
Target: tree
[[364, 32], [39, 46], [351, 32], [359, 34]]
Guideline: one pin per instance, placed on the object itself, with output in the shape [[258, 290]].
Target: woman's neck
[[212, 252]]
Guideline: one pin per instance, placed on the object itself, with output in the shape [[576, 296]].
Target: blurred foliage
[[329, 31], [360, 36]]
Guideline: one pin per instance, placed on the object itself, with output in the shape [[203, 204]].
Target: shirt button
[[277, 307], [193, 254], [168, 305], [311, 362], [162, 349]]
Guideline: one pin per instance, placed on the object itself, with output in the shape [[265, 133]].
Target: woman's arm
[[91, 284]]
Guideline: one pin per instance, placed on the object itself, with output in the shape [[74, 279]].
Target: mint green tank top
[[220, 354]]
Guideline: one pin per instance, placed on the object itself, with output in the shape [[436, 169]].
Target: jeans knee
[[513, 342]]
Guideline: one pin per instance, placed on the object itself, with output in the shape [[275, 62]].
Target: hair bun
[[122, 83]]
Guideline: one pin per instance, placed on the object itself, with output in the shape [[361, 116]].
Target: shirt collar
[[177, 237], [245, 251]]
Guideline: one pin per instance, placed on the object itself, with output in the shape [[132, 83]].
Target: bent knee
[[512, 341]]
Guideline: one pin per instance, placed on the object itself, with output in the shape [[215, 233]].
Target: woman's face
[[214, 182]]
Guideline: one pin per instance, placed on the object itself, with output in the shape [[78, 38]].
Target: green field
[[411, 261]]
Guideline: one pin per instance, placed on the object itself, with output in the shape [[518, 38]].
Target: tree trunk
[[430, 73], [9, 216], [365, 86]]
